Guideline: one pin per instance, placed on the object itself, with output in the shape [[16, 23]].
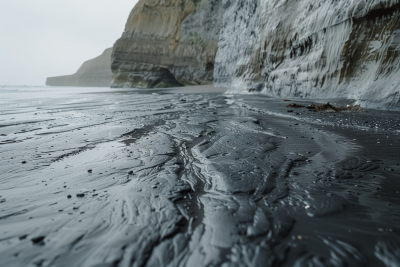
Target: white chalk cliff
[[304, 48]]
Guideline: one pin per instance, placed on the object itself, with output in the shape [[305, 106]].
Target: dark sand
[[186, 178]]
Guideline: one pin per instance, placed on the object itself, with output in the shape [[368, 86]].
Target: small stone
[[307, 207], [130, 172], [24, 162], [90, 171], [80, 195], [38, 240], [69, 196]]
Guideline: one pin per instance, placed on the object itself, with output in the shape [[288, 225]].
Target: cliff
[[168, 43], [342, 48], [93, 73], [302, 48]]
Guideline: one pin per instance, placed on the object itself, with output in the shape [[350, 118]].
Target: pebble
[[24, 162], [37, 240], [90, 171], [69, 196], [130, 172], [80, 195]]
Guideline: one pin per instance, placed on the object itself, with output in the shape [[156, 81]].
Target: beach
[[194, 176]]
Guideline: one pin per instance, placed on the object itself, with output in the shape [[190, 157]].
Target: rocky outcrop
[[93, 73], [168, 43], [306, 48]]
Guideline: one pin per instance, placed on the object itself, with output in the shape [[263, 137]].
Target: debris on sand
[[294, 105], [324, 108], [327, 107]]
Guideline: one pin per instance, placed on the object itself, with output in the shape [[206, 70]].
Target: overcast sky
[[44, 38]]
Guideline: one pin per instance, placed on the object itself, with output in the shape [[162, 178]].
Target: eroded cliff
[[168, 43], [344, 48], [307, 48], [93, 73]]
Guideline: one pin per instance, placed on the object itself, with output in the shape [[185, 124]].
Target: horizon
[[61, 36]]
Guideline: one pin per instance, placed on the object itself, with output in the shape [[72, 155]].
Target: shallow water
[[168, 178]]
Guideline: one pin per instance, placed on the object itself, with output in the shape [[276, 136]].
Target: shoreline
[[198, 172]]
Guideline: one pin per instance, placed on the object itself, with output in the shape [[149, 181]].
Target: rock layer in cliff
[[93, 73], [167, 44]]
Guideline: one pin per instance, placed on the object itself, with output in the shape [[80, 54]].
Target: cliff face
[[312, 48], [168, 43], [304, 48], [93, 73]]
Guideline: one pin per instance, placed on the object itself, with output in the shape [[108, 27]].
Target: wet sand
[[184, 177]]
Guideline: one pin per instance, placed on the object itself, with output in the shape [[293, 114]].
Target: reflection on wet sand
[[98, 177]]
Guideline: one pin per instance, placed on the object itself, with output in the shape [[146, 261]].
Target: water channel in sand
[[193, 177]]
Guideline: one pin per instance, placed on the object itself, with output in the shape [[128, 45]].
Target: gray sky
[[44, 38]]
